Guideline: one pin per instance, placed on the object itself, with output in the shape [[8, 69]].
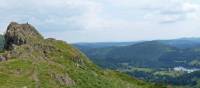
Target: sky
[[105, 20]]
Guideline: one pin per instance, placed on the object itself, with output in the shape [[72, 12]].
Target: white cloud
[[109, 20], [174, 11], [47, 13]]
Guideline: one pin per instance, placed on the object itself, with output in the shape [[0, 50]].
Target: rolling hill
[[155, 54], [141, 54]]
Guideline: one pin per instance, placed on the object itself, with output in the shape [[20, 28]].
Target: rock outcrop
[[18, 34]]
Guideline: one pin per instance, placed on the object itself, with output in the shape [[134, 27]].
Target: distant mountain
[[104, 44], [179, 43], [2, 41], [152, 60], [141, 54], [30, 61], [156, 54], [182, 42]]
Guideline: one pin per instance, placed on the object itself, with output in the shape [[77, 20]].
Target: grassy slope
[[30, 67]]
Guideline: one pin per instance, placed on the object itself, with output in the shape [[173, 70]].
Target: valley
[[175, 62], [99, 44]]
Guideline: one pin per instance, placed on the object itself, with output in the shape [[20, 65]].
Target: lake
[[188, 70]]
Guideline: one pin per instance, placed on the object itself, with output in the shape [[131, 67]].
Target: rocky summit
[[18, 34], [30, 61]]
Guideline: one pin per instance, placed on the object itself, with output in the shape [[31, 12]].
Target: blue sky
[[105, 20]]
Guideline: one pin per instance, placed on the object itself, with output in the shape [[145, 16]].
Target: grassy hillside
[[49, 63]]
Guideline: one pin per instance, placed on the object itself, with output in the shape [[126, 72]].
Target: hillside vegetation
[[30, 61]]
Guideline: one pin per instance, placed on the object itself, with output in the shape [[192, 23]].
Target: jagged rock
[[2, 58], [18, 34], [63, 79]]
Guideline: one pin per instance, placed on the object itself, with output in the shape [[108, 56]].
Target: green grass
[[30, 67]]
